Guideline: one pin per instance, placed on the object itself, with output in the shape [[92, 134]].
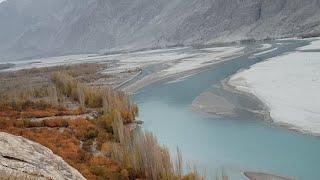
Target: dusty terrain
[[40, 77]]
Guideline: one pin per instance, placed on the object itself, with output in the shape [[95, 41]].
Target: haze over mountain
[[52, 27]]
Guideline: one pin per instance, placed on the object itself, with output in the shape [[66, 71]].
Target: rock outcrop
[[23, 159]]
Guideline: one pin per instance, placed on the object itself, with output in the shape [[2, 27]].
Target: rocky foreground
[[24, 159]]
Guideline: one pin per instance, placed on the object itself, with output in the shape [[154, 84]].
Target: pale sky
[[2, 1]]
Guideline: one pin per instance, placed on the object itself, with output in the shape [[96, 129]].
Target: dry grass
[[141, 154], [66, 143], [94, 97], [100, 148]]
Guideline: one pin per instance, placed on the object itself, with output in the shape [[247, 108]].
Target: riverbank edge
[[132, 89], [263, 176], [265, 110], [227, 85]]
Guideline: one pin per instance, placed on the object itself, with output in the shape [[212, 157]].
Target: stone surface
[[25, 159]]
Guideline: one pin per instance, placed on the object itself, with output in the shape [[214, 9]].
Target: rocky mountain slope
[[50, 27], [25, 159]]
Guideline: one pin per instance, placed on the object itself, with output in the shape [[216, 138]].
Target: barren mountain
[[51, 27]]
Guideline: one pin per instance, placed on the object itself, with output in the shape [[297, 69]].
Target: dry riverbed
[[116, 69]]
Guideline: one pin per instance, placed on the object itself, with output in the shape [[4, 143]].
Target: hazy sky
[[2, 1]]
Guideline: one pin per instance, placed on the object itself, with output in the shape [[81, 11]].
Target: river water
[[234, 144]]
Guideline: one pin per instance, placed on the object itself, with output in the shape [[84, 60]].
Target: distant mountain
[[51, 27]]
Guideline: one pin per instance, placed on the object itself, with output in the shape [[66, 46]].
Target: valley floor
[[289, 85], [119, 69]]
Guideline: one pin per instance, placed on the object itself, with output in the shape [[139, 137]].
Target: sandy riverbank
[[169, 63], [196, 61], [289, 85], [223, 100], [211, 103], [263, 176]]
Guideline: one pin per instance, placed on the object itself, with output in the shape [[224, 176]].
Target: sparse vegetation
[[99, 146]]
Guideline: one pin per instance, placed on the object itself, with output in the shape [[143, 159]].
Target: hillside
[[91, 127], [51, 27]]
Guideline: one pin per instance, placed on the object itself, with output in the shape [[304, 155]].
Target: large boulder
[[24, 159]]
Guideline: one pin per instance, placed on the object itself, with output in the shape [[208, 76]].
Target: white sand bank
[[289, 85], [315, 45]]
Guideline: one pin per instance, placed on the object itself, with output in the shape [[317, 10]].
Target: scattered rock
[[134, 125], [138, 122]]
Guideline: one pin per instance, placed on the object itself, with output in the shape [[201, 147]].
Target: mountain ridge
[[35, 27]]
